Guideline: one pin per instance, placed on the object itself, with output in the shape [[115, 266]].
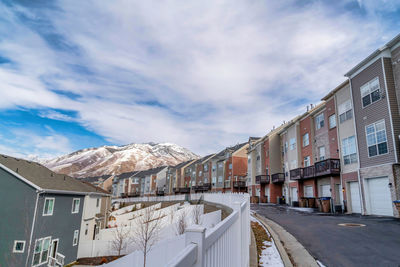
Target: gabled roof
[[41, 178]]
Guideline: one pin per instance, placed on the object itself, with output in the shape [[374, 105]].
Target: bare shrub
[[121, 239]]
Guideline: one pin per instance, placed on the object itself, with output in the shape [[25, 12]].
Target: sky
[[201, 74]]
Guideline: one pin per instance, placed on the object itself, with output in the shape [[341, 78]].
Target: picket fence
[[227, 244]]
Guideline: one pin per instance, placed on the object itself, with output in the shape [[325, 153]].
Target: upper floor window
[[307, 161], [205, 167], [321, 152], [220, 165], [306, 139], [292, 143], [230, 166], [345, 111], [258, 157], [200, 173], [319, 121], [48, 206], [97, 202], [75, 205], [285, 148], [376, 138], [332, 121], [349, 151], [370, 92]]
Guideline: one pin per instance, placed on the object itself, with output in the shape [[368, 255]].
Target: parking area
[[375, 244]]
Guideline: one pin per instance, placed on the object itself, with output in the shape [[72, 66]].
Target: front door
[[53, 253], [294, 193]]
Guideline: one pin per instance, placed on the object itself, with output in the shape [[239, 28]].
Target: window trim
[[23, 247], [366, 141], [73, 202], [379, 90], [33, 255], [329, 121], [349, 155], [44, 206], [319, 153], [308, 139], [77, 238], [318, 124]]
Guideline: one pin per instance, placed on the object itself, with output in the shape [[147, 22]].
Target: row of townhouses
[[346, 148], [46, 215]]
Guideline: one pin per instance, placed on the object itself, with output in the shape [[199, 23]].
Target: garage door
[[308, 191], [293, 193], [326, 190], [380, 201], [355, 197]]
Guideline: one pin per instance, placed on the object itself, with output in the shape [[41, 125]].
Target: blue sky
[[201, 74]]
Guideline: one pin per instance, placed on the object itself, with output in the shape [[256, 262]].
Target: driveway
[[376, 244]]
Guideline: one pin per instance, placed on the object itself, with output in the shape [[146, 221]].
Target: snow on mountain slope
[[118, 159]]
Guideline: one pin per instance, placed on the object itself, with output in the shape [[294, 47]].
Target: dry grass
[[261, 236]]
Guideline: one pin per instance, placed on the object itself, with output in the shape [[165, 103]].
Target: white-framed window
[[220, 165], [332, 121], [345, 111], [319, 121], [75, 239], [75, 205], [86, 229], [19, 246], [220, 179], [48, 206], [230, 166], [292, 143], [370, 92], [321, 152], [349, 150], [306, 139], [41, 252], [97, 202], [376, 138], [307, 161], [200, 173]]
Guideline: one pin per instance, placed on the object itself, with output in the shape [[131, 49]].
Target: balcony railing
[[175, 189], [134, 194], [327, 167], [202, 188], [184, 190], [296, 174], [278, 178], [239, 183], [160, 192], [308, 172], [262, 179]]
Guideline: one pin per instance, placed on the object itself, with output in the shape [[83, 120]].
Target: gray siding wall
[[61, 225], [396, 71], [17, 208], [370, 114]]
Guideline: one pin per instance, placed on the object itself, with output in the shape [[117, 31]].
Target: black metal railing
[[327, 167], [296, 174], [184, 190], [278, 178], [239, 183], [262, 179]]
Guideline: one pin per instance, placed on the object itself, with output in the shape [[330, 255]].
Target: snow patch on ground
[[269, 255], [320, 264], [302, 209]]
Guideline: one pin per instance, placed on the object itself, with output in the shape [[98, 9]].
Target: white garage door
[[326, 190], [355, 197], [380, 201], [308, 191], [293, 192]]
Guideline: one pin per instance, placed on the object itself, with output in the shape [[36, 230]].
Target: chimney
[[311, 105], [307, 108]]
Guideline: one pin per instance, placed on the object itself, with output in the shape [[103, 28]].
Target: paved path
[[377, 244]]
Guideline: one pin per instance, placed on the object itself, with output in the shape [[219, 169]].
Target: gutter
[[73, 192], [38, 192]]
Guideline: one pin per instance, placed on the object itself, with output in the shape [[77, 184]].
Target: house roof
[[42, 178], [95, 178]]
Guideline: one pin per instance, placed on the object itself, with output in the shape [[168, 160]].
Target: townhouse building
[[252, 187], [45, 213], [178, 176], [103, 181], [198, 174]]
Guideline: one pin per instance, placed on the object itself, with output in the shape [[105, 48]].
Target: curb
[[253, 251], [292, 252]]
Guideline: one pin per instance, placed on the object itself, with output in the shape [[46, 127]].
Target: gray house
[[42, 214]]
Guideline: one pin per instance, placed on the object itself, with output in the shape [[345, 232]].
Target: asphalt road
[[377, 244]]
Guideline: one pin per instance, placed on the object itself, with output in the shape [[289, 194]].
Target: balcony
[[327, 167], [202, 188], [175, 189], [308, 172], [262, 179], [296, 174], [278, 178], [184, 190], [160, 192], [239, 183], [134, 194]]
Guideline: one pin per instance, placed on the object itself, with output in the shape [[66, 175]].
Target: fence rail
[[226, 244]]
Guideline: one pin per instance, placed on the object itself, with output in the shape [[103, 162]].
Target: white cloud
[[224, 71]]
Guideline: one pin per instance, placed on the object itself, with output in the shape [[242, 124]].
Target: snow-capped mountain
[[118, 159]]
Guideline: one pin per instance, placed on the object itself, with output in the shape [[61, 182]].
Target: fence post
[[196, 234], [238, 208]]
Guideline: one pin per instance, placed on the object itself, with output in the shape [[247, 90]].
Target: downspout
[[33, 227]]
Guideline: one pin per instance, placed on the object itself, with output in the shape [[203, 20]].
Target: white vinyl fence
[[227, 244]]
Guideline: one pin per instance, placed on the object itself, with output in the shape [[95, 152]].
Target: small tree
[[121, 239], [181, 223], [146, 232], [196, 214]]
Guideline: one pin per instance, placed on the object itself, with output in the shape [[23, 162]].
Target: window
[[86, 229], [41, 251], [306, 140], [75, 239], [321, 152], [220, 165], [48, 206], [286, 147], [307, 161], [370, 92], [332, 121], [19, 246], [376, 138], [200, 173], [293, 164], [349, 151], [292, 143], [230, 166], [97, 202], [345, 111], [75, 205], [319, 121], [219, 179]]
